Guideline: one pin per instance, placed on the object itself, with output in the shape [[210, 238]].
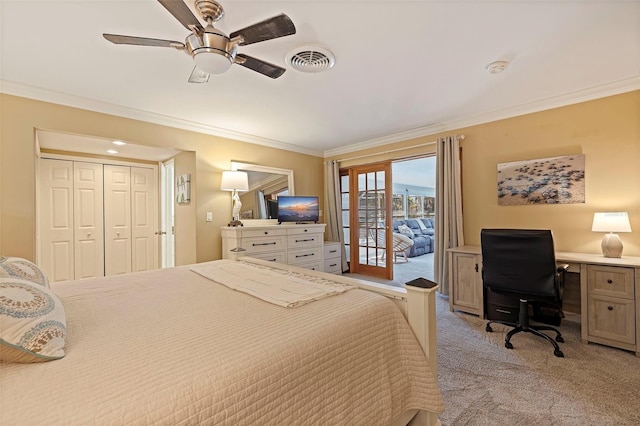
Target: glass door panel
[[369, 216]]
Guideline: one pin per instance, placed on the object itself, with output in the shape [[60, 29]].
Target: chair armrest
[[563, 268]]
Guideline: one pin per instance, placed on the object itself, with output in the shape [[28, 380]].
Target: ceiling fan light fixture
[[212, 62]]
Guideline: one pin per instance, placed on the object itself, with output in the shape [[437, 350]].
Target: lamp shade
[[611, 222], [234, 180]]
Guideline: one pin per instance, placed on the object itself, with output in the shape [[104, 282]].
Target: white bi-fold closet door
[[96, 219]]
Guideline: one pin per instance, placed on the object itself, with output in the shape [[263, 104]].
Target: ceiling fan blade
[[143, 41], [198, 76], [182, 13], [260, 66], [278, 26]]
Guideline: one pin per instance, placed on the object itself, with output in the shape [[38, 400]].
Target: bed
[[176, 347]]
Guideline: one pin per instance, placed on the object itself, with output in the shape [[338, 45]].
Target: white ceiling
[[403, 68]]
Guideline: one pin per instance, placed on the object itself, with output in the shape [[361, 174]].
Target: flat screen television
[[298, 209]]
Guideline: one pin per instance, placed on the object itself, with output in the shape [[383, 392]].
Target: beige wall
[[21, 117], [606, 131]]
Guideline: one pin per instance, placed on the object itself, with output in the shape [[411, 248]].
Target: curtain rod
[[392, 150]]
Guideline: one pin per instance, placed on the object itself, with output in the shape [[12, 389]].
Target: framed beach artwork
[[553, 180], [183, 189]]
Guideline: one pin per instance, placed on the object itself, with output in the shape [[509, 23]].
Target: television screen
[[298, 209]]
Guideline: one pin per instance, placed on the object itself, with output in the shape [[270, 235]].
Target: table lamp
[[235, 181], [611, 222]]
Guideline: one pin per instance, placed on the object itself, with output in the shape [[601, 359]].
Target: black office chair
[[521, 263]]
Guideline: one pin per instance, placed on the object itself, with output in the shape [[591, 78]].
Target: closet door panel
[[56, 219], [144, 214], [89, 224], [117, 219]]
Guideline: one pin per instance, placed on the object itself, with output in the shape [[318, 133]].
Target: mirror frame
[[236, 165]]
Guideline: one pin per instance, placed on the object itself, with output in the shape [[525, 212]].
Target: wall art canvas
[[553, 180], [183, 189]]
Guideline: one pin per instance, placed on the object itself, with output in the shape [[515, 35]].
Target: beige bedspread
[[172, 347]]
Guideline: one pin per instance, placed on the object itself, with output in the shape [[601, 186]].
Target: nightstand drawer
[[331, 250], [333, 266], [610, 281]]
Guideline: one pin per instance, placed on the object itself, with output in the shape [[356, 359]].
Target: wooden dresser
[[300, 245]]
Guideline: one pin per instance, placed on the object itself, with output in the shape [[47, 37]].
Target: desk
[[608, 297]]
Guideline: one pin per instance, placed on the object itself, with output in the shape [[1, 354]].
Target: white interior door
[[117, 219], [56, 219], [167, 205], [144, 219], [88, 220]]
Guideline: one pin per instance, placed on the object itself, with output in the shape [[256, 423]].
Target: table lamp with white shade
[[235, 181], [611, 222]]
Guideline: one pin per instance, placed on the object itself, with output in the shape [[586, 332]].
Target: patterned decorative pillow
[[405, 230], [32, 322], [18, 267]]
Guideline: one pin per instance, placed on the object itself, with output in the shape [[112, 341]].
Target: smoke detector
[[497, 67], [310, 59]]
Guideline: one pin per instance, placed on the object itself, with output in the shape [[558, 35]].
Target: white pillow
[[32, 322], [405, 230], [18, 267], [421, 225]]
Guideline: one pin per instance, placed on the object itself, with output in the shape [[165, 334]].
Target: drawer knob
[[610, 308], [266, 232], [610, 281]]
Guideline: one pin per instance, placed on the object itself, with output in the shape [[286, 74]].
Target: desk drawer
[[610, 281], [612, 319]]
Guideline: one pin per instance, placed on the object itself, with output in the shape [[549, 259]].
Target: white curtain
[[333, 204], [449, 229], [261, 208]]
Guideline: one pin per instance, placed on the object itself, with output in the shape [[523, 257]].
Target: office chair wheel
[[489, 329], [508, 345], [558, 353], [559, 339]]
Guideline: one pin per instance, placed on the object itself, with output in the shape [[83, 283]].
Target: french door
[[369, 219]]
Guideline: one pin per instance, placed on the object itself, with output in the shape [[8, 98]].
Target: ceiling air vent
[[310, 59]]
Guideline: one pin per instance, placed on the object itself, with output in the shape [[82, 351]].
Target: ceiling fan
[[212, 50]]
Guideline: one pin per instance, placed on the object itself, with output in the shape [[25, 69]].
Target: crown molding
[[45, 95], [610, 89]]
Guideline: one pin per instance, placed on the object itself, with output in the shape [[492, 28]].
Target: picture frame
[[553, 180], [183, 189]]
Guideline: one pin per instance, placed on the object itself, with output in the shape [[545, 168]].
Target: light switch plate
[[209, 216]]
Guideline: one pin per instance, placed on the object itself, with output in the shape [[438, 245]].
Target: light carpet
[[483, 383]]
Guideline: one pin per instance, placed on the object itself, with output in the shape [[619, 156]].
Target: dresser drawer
[[251, 233], [295, 242], [301, 229], [262, 244], [610, 281], [314, 266], [312, 254], [277, 256]]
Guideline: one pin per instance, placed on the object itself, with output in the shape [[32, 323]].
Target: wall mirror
[[264, 184]]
